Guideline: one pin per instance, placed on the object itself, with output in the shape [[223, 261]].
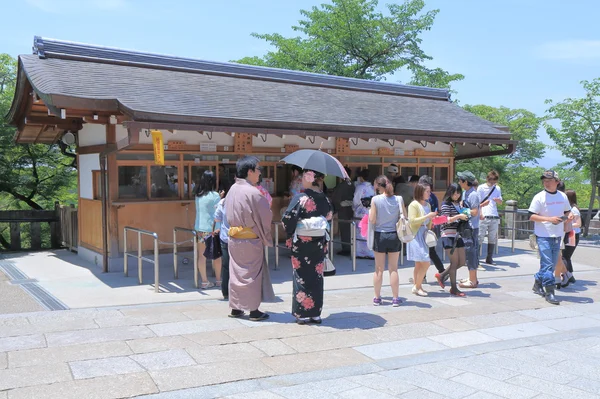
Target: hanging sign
[[158, 146]]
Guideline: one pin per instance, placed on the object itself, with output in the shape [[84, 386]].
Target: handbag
[[329, 269], [430, 238], [403, 230], [213, 247]]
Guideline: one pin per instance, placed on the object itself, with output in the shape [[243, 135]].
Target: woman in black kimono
[[305, 221]]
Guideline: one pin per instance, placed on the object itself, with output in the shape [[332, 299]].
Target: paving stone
[[431, 383], [157, 344], [212, 338], [223, 353], [440, 370], [97, 335], [518, 331], [37, 375], [163, 360], [301, 362], [303, 391], [533, 354], [142, 319], [587, 384], [464, 338], [211, 391], [400, 348], [583, 367], [270, 332], [364, 392], [318, 376], [423, 358], [551, 388], [49, 325], [409, 331], [572, 323], [3, 394], [487, 395], [455, 324], [350, 323], [255, 395], [530, 368], [71, 315], [46, 356], [273, 347], [333, 340], [497, 319], [555, 312], [209, 374], [496, 387], [379, 382], [11, 320], [477, 365], [103, 367], [335, 385], [501, 345], [3, 360], [193, 326], [421, 394], [118, 386], [22, 342]]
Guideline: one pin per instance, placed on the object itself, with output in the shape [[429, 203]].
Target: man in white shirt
[[549, 209], [491, 197]]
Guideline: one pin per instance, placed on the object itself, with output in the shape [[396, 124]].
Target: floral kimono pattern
[[308, 253], [363, 190]]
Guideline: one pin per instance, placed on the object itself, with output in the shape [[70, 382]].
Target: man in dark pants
[[342, 197], [224, 236]]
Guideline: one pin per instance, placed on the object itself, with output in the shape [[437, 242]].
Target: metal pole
[[514, 233], [276, 246], [139, 257], [175, 265], [155, 263], [353, 238], [125, 264], [331, 242], [195, 260]]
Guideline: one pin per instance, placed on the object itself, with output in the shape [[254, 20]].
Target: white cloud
[[65, 6], [570, 50]]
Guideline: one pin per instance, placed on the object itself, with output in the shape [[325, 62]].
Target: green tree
[[32, 176], [519, 180], [351, 38], [578, 137]]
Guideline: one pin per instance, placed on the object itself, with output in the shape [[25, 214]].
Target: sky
[[513, 53]]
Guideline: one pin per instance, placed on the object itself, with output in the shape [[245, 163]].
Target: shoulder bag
[[430, 238], [481, 217], [403, 230]]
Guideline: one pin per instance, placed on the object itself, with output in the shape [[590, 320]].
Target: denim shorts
[[386, 242]]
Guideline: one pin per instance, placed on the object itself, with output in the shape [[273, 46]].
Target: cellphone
[[564, 217]]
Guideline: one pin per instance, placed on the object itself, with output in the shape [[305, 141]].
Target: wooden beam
[[133, 138], [96, 149], [67, 123]]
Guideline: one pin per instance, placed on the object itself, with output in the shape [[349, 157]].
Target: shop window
[[426, 170], [133, 182], [164, 182], [408, 171], [191, 181], [441, 180]]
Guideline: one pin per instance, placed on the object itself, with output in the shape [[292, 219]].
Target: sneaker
[[316, 320], [377, 301], [396, 302]]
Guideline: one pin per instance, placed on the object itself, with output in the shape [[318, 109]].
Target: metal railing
[[139, 256], [194, 233]]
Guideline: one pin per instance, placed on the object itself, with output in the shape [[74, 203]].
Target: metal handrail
[[175, 252], [139, 256]]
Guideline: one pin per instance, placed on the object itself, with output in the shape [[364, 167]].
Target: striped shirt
[[449, 209]]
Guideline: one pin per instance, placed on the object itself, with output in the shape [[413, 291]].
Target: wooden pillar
[[55, 227], [113, 194], [15, 236]]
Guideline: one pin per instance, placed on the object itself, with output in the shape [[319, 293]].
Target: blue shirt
[[220, 218], [205, 211], [433, 201], [473, 200]]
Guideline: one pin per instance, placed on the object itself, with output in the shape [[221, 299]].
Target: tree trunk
[[588, 216]]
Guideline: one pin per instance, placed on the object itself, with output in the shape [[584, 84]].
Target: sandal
[[235, 313], [207, 285], [468, 284], [218, 283], [259, 316], [440, 280], [316, 320], [458, 293]]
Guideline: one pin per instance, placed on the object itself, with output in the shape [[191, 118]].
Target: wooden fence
[[25, 227]]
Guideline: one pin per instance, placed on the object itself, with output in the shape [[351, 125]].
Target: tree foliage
[[518, 180], [32, 176], [351, 38], [578, 137]]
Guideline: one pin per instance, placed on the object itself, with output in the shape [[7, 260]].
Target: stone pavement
[[502, 341]]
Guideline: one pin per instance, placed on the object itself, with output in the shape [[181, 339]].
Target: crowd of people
[[467, 213]]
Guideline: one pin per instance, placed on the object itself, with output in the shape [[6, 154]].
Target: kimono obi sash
[[242, 233], [312, 227]]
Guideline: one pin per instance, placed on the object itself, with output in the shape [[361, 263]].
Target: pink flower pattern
[[295, 262], [320, 267], [310, 205], [305, 238], [288, 243], [300, 296], [308, 303]]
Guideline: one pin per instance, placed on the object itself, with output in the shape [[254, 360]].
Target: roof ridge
[[53, 48]]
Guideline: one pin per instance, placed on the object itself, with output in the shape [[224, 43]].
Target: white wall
[[87, 163], [92, 134]]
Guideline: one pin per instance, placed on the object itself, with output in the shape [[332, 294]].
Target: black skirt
[[448, 242], [386, 242]]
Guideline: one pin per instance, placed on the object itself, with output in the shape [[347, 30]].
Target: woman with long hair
[[306, 221], [419, 217], [206, 199], [451, 241], [571, 239], [386, 209]]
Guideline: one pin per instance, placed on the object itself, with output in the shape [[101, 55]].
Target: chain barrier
[[175, 243]]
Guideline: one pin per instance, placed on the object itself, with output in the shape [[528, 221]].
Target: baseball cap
[[466, 176], [550, 174], [392, 169]]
